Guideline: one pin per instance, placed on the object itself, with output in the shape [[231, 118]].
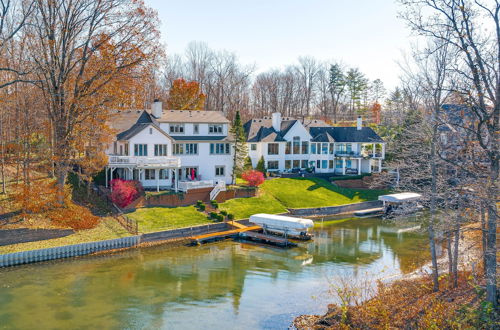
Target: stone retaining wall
[[331, 210]]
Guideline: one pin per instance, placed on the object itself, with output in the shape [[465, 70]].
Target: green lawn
[[243, 208], [152, 219], [315, 192], [275, 196], [107, 229]]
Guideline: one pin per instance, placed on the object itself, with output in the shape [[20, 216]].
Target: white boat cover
[[400, 197], [281, 221]]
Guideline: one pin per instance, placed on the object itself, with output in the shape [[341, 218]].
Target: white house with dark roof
[[171, 149], [289, 144]]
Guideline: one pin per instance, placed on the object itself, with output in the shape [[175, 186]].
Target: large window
[[215, 129], [191, 148], [163, 174], [324, 163], [178, 149], [313, 148], [348, 148], [338, 163], [149, 174], [140, 149], [272, 165], [324, 148], [296, 163], [288, 148], [304, 163], [330, 163], [126, 149], [219, 170], [305, 147], [176, 128], [288, 164], [272, 148], [331, 148], [296, 145], [160, 149], [219, 148]]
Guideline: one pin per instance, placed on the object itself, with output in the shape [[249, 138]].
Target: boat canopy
[[400, 198], [273, 220]]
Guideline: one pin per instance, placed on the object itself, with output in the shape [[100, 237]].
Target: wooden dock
[[222, 234], [243, 232]]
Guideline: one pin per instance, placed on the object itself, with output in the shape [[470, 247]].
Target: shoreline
[[469, 257]]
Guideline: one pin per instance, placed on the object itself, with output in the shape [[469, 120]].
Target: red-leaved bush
[[125, 192], [253, 178]]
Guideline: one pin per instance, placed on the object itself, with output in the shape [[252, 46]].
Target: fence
[[68, 251], [130, 225]]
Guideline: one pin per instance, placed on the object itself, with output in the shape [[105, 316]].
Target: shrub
[[230, 216], [214, 203], [254, 178], [213, 215], [223, 212], [261, 166], [125, 192], [202, 207], [219, 218], [199, 203]]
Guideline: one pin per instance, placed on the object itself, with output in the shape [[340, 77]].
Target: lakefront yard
[[275, 196]]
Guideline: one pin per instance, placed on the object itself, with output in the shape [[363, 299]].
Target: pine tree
[[240, 146], [248, 164], [261, 165]]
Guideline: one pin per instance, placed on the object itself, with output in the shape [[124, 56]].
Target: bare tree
[[472, 31]]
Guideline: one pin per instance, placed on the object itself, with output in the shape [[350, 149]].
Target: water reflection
[[219, 284]]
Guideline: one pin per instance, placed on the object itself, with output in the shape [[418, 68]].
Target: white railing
[[160, 161], [220, 186], [188, 185]]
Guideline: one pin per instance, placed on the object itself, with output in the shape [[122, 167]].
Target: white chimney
[[360, 123], [156, 108], [276, 121]]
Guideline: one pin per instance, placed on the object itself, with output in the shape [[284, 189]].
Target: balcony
[[347, 154], [188, 185], [145, 162]]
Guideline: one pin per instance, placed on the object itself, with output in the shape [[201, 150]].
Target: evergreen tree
[[261, 165], [240, 146], [248, 164]]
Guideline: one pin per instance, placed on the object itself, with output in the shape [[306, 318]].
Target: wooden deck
[[223, 234]]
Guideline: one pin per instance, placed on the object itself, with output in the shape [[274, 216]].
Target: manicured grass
[[275, 196], [152, 219], [243, 208], [107, 229], [315, 192]]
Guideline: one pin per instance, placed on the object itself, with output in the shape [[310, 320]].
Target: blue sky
[[273, 33]]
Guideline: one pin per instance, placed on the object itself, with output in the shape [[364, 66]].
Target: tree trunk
[[484, 237], [450, 255], [491, 247], [455, 252], [432, 242]]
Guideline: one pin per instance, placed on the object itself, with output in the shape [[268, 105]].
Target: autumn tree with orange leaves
[[81, 52], [185, 95]]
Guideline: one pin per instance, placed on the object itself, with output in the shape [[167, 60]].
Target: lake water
[[224, 285]]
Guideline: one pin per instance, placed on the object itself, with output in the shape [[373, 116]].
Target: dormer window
[[215, 129], [176, 128]]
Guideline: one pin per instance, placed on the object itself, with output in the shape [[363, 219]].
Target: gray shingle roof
[[261, 130], [347, 134], [193, 116]]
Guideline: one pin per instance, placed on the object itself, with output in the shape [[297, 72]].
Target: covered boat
[[288, 226]]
